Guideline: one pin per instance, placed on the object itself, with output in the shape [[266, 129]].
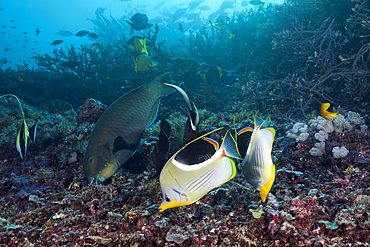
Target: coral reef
[[90, 111], [282, 58]]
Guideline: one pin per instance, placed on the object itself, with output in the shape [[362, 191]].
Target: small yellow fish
[[322, 108], [196, 169], [137, 44], [19, 78], [140, 46], [219, 72], [342, 58], [257, 164], [143, 63], [232, 35]]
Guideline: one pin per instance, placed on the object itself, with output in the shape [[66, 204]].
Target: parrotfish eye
[[91, 160], [168, 199]]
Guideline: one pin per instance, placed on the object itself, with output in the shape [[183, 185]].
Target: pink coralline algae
[[90, 111]]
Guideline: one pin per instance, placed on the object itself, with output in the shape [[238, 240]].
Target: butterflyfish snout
[[196, 169], [257, 165]]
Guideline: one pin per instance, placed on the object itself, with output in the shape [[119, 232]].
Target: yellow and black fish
[[143, 63], [137, 44], [24, 133], [57, 106], [257, 164], [196, 169], [322, 108], [220, 74]]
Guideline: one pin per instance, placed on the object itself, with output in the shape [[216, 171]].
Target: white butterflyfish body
[[196, 169], [257, 164]]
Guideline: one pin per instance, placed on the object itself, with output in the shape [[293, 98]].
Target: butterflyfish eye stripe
[[178, 192]]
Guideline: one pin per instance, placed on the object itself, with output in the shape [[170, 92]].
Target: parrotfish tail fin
[[265, 189], [230, 147], [32, 132], [259, 122], [144, 47], [131, 26]]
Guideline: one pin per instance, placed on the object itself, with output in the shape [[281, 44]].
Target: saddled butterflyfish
[[117, 134], [24, 133], [196, 169], [257, 164]]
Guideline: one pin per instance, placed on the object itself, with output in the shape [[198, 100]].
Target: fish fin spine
[[229, 146]]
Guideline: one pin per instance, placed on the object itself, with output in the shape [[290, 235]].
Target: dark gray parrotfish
[[117, 134]]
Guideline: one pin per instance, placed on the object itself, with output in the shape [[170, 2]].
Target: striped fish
[[257, 164], [196, 169], [24, 133], [117, 134]]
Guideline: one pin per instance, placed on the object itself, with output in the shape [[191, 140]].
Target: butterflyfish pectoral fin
[[229, 146], [265, 189]]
